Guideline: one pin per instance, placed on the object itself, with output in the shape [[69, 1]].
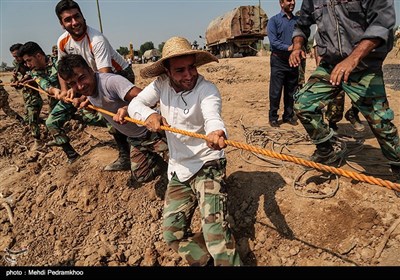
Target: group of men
[[353, 39], [286, 80], [351, 42], [87, 70]]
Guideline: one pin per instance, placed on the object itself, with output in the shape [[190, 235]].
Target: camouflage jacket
[[47, 77]]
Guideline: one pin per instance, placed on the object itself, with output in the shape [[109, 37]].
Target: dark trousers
[[282, 77]]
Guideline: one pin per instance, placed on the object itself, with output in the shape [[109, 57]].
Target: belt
[[281, 55], [217, 163]]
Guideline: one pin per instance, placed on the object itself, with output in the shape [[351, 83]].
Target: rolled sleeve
[[374, 32], [211, 110], [139, 107]]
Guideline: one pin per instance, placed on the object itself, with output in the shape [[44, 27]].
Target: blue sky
[[123, 21]]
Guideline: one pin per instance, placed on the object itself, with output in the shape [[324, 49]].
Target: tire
[[230, 51]]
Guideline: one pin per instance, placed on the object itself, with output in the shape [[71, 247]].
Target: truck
[[151, 55], [237, 31]]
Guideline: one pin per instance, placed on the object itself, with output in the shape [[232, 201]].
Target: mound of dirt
[[55, 214]]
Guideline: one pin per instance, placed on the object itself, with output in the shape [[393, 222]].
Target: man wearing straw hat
[[113, 92], [196, 168]]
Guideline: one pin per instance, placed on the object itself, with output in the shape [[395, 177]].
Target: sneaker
[[120, 164], [274, 123], [329, 156], [291, 121], [354, 120]]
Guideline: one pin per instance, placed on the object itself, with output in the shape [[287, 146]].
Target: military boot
[[328, 152], [72, 155], [123, 161], [20, 119], [354, 119], [396, 172], [334, 126]]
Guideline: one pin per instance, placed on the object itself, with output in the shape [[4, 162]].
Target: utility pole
[[98, 13], [259, 12]]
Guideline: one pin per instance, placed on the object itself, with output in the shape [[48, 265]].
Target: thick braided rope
[[318, 166]]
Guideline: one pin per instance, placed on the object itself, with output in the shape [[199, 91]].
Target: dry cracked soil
[[282, 214]]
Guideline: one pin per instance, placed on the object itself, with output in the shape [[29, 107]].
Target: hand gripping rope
[[269, 153]]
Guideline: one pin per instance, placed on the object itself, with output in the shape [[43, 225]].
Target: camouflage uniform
[[48, 78], [367, 93], [64, 112], [146, 163], [302, 74], [208, 188], [6, 106], [61, 112], [33, 102], [335, 109]]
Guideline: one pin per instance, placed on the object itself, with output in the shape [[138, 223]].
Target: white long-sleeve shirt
[[198, 111]]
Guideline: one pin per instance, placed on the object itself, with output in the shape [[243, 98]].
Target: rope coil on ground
[[269, 153]]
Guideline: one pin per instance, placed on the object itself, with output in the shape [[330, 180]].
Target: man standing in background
[[283, 77]]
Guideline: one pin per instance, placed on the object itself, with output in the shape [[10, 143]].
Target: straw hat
[[176, 46]]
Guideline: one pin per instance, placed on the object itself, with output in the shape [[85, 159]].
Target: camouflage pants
[[127, 73], [206, 189], [64, 112], [52, 102], [302, 73], [146, 163], [5, 106], [367, 93], [335, 109], [33, 105]]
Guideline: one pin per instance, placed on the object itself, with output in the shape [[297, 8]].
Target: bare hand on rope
[[119, 117], [79, 102], [216, 140], [155, 121]]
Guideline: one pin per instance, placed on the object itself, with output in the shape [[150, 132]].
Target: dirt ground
[[282, 214]]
